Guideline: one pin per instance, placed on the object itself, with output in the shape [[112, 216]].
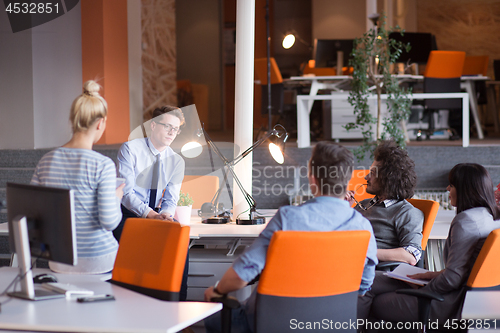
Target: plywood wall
[[463, 25], [158, 54]]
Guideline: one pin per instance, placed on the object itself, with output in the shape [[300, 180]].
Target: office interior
[[147, 53]]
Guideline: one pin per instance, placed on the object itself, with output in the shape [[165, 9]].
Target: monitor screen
[[50, 219], [325, 51], [421, 45]]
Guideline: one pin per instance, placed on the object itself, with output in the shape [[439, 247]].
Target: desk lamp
[[277, 136]]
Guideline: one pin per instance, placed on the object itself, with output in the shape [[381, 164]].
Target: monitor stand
[[20, 230]]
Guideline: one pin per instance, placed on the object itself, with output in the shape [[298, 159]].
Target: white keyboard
[[66, 288]]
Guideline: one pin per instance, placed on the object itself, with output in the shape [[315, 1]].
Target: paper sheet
[[401, 272]]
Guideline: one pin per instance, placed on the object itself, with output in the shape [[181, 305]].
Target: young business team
[[154, 174]]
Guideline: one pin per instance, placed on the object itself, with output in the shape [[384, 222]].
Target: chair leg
[[226, 314]]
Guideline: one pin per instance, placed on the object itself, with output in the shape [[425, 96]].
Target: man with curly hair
[[397, 225]]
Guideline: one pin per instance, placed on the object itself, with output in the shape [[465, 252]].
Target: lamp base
[[217, 220], [257, 220]]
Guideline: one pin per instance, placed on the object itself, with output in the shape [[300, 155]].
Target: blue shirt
[[136, 159], [319, 214]]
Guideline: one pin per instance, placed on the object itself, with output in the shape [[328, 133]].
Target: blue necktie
[[154, 183]]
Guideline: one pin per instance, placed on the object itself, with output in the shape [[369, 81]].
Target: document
[[403, 270]]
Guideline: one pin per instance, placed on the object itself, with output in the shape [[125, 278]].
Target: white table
[[130, 312], [335, 82], [303, 112], [485, 306]]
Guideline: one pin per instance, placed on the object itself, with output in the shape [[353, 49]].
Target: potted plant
[[372, 57], [183, 209]]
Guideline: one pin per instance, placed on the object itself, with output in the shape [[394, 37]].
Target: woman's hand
[[425, 276], [119, 191]]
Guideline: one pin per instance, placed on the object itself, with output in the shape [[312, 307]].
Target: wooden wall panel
[[463, 25], [159, 54]]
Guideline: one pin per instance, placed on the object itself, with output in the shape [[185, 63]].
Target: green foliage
[[184, 199], [371, 75]]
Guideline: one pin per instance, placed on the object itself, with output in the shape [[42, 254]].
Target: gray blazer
[[467, 234]]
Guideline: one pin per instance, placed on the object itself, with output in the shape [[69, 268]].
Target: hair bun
[[91, 88]]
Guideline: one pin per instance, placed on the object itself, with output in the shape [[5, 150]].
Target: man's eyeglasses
[[169, 128], [372, 203]]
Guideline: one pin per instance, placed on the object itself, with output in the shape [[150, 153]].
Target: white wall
[[16, 86], [41, 74]]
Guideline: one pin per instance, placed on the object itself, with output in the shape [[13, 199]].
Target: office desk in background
[[339, 84], [303, 115], [130, 312]]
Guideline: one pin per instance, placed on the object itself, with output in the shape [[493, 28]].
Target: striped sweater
[[92, 176]]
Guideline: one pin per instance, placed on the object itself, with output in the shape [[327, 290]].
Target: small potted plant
[[183, 209]]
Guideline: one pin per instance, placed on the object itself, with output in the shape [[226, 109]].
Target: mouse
[[42, 278]]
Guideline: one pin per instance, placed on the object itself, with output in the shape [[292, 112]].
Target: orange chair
[[430, 209], [310, 68], [356, 184], [300, 284], [475, 65], [151, 257], [442, 74], [201, 188]]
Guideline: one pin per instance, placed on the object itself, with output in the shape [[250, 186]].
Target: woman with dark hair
[[471, 191]]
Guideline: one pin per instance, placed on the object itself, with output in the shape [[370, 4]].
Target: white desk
[[130, 312], [303, 112], [482, 305], [335, 82]]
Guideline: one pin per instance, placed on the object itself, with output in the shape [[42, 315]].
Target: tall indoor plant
[[371, 59]]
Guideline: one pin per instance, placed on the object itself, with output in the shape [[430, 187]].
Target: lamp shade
[[288, 41], [277, 147]]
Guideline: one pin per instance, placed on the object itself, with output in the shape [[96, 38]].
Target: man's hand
[[397, 254], [349, 196], [162, 216], [210, 293], [119, 191], [167, 216]]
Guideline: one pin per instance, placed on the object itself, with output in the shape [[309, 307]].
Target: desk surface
[[482, 305], [399, 76], [201, 230], [130, 312]]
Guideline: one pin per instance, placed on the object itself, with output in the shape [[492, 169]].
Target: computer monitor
[[421, 45], [41, 223], [325, 51]]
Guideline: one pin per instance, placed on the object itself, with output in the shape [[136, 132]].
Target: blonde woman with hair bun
[[92, 176]]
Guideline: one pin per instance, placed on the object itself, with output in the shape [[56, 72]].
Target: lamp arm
[[249, 199], [269, 134], [214, 147]]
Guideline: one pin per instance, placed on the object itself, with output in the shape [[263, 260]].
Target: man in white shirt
[[153, 172]]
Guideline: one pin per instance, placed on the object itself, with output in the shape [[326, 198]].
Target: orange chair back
[[430, 209], [151, 256], [314, 264], [445, 64], [261, 71], [475, 65], [355, 184], [486, 270], [201, 188]]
